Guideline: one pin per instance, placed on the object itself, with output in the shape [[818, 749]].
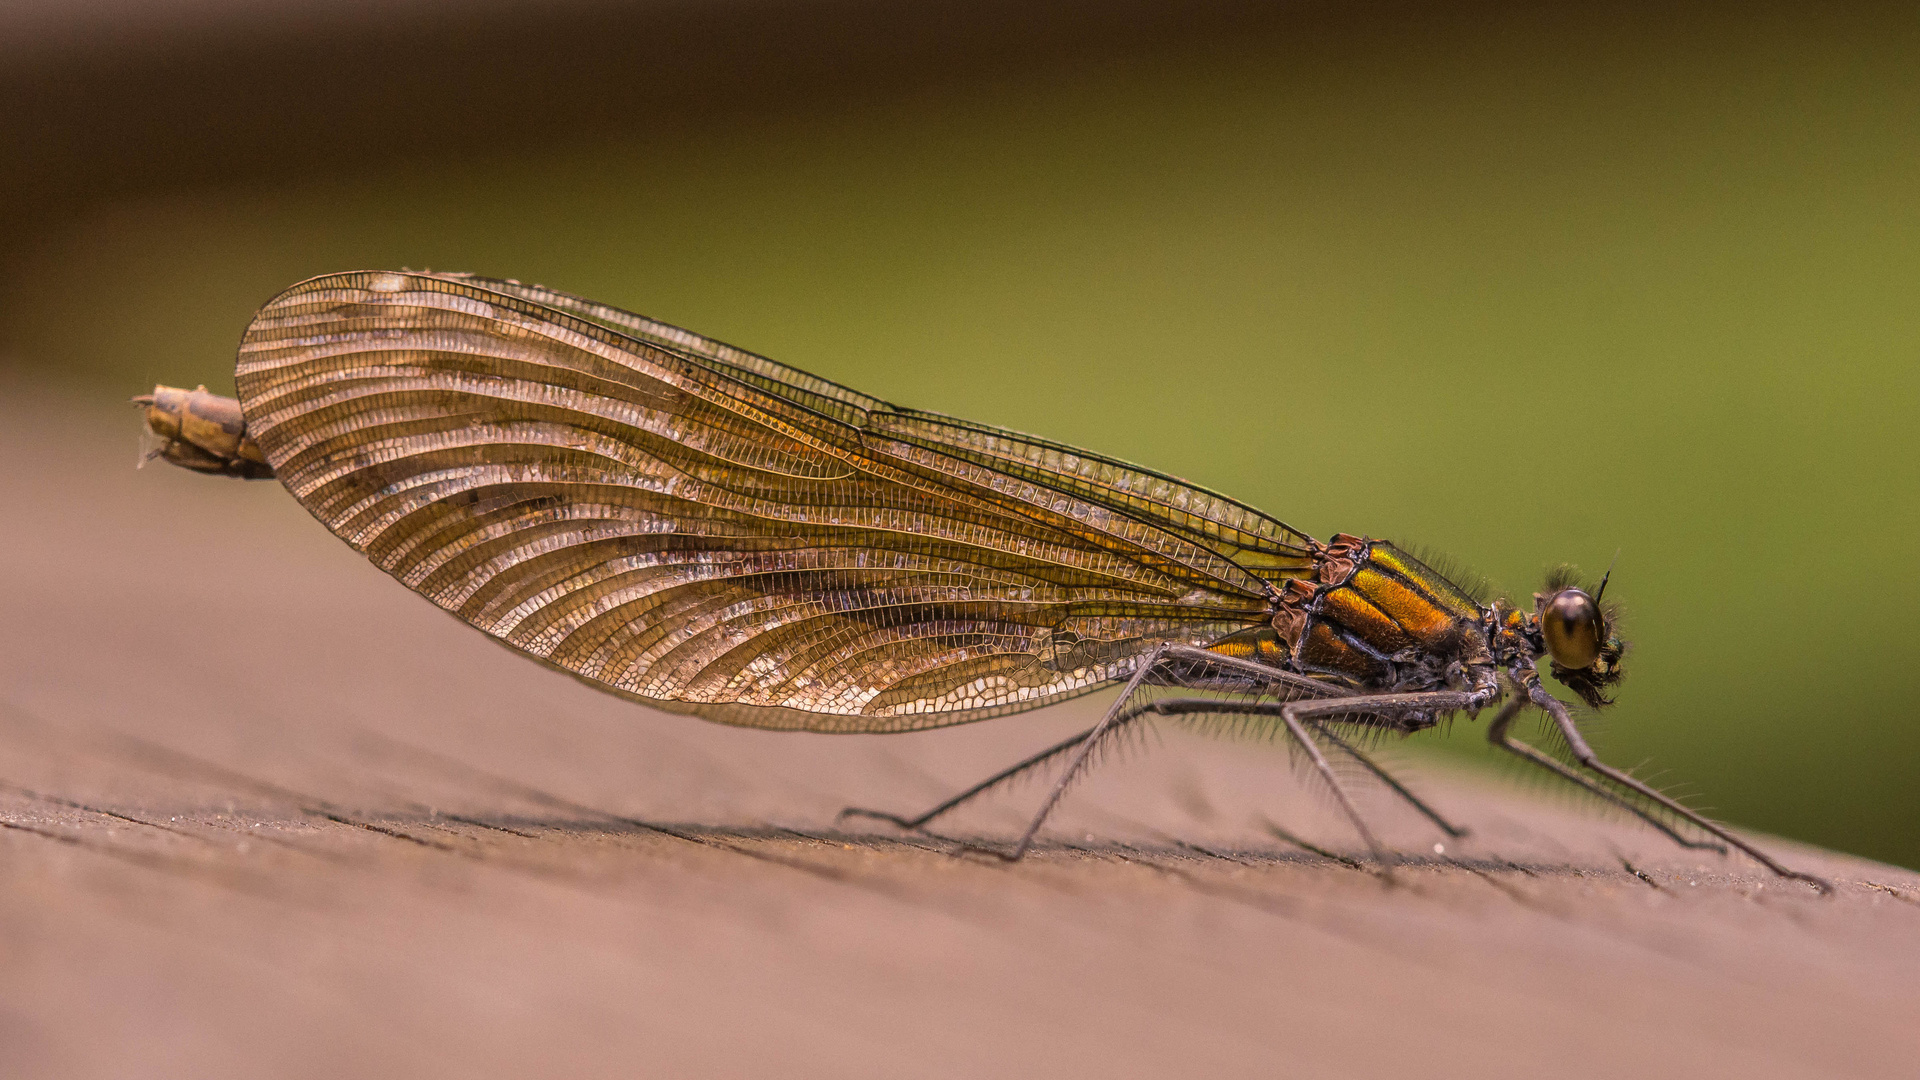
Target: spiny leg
[[1584, 755], [1290, 717], [1387, 778], [1294, 714], [1118, 715], [1497, 735], [1003, 776], [1185, 706], [1121, 714], [1264, 677], [1080, 757]]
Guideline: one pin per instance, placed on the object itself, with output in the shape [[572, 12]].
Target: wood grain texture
[[360, 839]]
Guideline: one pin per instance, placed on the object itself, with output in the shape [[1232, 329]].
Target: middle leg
[[1297, 714], [1186, 665], [1388, 779]]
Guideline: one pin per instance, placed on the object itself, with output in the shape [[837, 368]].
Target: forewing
[[1252, 541], [704, 529]]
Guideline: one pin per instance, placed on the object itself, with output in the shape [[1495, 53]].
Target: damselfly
[[707, 531]]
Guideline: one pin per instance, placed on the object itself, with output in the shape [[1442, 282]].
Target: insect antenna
[[1602, 590]]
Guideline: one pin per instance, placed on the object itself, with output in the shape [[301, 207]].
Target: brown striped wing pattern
[[711, 532]]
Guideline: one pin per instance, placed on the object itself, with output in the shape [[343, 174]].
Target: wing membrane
[[712, 532], [1205, 517]]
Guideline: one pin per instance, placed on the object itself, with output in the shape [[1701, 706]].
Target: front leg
[[1498, 736], [1585, 756]]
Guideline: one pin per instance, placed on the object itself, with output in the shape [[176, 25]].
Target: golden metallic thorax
[[1372, 617]]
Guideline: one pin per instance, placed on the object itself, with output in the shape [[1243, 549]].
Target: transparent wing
[[1250, 538], [709, 531]]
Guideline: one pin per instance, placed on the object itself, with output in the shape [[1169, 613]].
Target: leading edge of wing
[[855, 435], [1241, 533]]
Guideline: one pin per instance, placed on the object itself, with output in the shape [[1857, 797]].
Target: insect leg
[[1078, 762], [1122, 713], [1185, 706], [991, 782], [1295, 715], [1584, 755], [1497, 735], [1262, 677], [1387, 778], [1291, 717], [1119, 715], [1294, 712]]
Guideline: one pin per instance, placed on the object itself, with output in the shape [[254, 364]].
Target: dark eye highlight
[[1571, 625]]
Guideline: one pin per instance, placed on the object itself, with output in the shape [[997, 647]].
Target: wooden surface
[[267, 814]]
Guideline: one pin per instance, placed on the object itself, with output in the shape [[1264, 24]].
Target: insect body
[[705, 530]]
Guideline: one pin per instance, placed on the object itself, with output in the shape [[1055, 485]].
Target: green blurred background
[[1516, 286]]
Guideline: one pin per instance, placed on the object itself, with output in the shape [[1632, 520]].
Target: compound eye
[[1571, 625]]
